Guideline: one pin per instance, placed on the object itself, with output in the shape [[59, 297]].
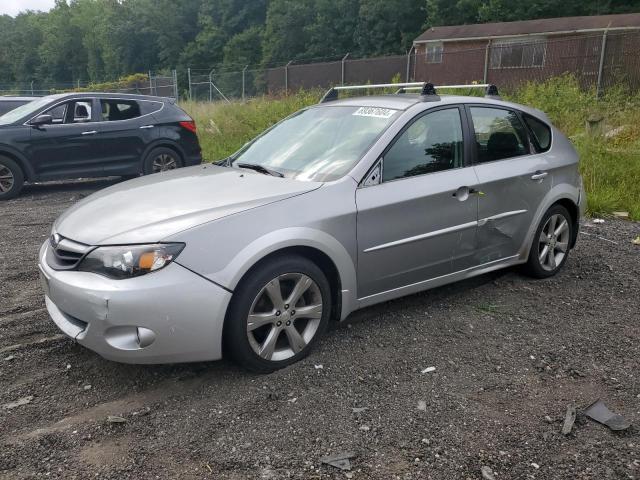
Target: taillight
[[190, 125]]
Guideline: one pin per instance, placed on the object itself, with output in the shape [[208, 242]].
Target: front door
[[513, 180], [68, 147], [419, 221]]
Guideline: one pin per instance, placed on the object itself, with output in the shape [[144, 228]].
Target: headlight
[[130, 261]]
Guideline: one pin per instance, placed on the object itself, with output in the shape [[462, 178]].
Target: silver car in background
[[340, 206]]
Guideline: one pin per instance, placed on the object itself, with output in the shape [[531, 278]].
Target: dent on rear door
[[508, 204]]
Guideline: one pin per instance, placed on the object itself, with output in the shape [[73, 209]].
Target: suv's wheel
[[550, 247], [11, 178], [277, 314], [161, 159]]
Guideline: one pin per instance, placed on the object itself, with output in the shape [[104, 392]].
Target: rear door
[[512, 177], [419, 221], [68, 147], [126, 128]]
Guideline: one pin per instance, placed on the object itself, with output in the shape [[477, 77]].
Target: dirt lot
[[510, 354]]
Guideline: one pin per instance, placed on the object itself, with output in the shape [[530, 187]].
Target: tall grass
[[610, 165]]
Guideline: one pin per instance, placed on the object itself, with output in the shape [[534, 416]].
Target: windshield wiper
[[261, 169]]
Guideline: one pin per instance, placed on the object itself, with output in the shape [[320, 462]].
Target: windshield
[[24, 110], [319, 144]]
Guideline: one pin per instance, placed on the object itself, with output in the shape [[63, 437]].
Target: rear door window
[[499, 134], [114, 110], [540, 131]]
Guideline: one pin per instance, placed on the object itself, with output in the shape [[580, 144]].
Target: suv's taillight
[[190, 125]]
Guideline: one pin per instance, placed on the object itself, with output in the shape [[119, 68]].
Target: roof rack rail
[[426, 89]]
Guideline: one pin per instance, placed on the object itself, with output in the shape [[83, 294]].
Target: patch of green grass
[[610, 166]]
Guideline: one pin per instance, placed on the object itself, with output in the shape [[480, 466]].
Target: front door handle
[[463, 193], [539, 175], [90, 132], [144, 127]]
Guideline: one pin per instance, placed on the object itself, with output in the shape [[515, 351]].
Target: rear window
[[541, 133]]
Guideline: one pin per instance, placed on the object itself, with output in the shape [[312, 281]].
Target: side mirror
[[42, 120]]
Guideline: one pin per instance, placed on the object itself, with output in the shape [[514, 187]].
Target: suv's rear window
[[114, 110], [541, 133]]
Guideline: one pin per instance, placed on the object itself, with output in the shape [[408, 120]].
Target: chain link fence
[[597, 60]]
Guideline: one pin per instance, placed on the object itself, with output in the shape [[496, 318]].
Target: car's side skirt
[[439, 281]]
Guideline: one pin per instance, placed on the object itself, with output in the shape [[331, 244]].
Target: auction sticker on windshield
[[374, 112]]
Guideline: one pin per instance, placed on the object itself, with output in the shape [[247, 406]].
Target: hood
[[148, 209]]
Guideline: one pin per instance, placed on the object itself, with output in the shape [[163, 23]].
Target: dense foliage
[[99, 40]]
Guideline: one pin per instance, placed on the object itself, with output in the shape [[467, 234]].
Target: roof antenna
[[428, 90], [492, 92]]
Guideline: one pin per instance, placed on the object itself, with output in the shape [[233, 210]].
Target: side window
[[432, 143], [499, 134], [147, 107], [113, 110], [58, 113], [541, 132], [75, 111]]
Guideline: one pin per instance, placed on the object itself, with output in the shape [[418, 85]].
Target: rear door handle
[[539, 175], [90, 132], [144, 127]]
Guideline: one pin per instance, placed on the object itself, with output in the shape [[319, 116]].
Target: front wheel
[[11, 178], [551, 243], [277, 314], [161, 159]]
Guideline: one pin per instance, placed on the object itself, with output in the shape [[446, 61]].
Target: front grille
[[65, 254]]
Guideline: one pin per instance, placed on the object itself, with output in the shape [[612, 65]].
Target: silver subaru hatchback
[[340, 206]]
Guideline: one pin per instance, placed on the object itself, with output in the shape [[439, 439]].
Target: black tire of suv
[[18, 178], [235, 342], [147, 167], [533, 267]]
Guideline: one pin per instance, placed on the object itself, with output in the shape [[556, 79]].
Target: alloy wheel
[[164, 162], [284, 317], [553, 242], [6, 179]]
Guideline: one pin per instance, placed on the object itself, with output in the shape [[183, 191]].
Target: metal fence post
[[189, 78], [486, 62], [211, 86], [601, 66], [175, 84], [244, 70], [344, 64], [286, 77], [413, 47], [150, 84]]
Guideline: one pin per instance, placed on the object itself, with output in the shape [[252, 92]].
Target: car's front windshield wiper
[[260, 168]]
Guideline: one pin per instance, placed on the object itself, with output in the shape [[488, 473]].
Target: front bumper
[[168, 316]]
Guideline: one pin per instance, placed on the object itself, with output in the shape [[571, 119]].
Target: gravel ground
[[510, 354]]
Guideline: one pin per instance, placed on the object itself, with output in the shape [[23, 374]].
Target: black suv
[[93, 135]]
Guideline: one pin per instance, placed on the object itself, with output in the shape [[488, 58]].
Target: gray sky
[[13, 7]]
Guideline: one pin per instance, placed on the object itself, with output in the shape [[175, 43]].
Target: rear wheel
[[550, 248], [277, 314], [162, 159], [11, 178]]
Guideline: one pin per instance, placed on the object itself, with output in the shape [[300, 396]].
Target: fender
[[29, 174], [558, 192], [231, 275]]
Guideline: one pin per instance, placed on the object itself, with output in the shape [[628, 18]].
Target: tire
[[547, 255], [11, 178], [275, 323], [161, 159]]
